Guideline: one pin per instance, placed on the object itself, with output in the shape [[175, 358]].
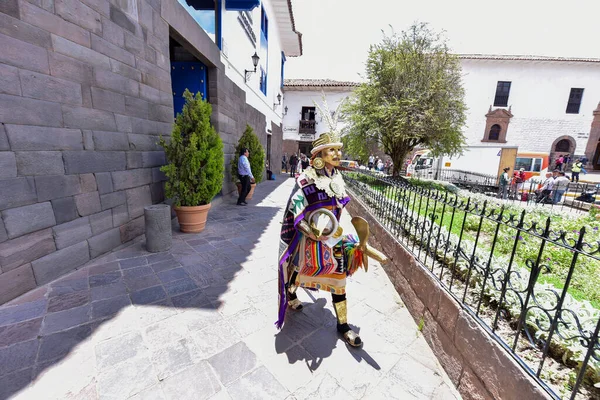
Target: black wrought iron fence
[[528, 281]]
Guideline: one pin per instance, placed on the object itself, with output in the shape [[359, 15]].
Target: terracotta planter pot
[[252, 186], [192, 219]]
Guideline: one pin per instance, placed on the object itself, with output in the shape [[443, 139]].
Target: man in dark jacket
[[293, 163]]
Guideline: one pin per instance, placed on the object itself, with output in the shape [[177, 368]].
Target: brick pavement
[[197, 323]]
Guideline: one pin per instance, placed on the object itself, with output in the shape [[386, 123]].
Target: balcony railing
[[307, 127]]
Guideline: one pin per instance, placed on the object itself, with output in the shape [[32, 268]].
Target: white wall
[[295, 100], [237, 56], [538, 96]]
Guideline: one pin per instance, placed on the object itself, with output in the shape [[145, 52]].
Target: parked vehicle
[[535, 165]]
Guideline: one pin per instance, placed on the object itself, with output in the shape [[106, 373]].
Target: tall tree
[[413, 96]]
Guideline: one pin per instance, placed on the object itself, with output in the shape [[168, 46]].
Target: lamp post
[[255, 59], [278, 101]]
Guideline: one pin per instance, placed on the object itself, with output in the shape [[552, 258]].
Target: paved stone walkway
[[197, 323]]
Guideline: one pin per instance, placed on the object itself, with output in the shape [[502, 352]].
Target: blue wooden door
[[187, 75]]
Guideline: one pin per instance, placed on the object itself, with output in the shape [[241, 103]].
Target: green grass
[[585, 284]]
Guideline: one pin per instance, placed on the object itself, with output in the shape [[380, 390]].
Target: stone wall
[[477, 365], [85, 91]]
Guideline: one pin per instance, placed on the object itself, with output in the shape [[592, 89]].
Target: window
[[574, 101], [263, 81], [523, 162], [264, 23], [308, 113], [494, 132], [502, 92]]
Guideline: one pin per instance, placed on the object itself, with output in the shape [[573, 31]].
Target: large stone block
[[8, 165], [111, 50], [87, 118], [53, 23], [45, 87], [153, 159], [101, 6], [125, 70], [132, 229], [39, 163], [143, 142], [57, 186], [88, 183], [16, 282], [106, 79], [73, 232], [120, 18], [88, 140], [158, 175], [88, 203], [69, 68], [149, 93], [161, 113], [131, 178], [79, 52], [104, 182], [25, 249], [110, 141], [23, 55], [3, 235], [123, 123], [134, 159], [112, 32], [161, 28], [135, 45], [147, 127], [24, 111], [156, 83], [108, 100], [17, 192], [149, 68], [10, 7], [64, 209], [17, 29], [101, 222], [136, 107], [158, 192], [54, 265], [31, 138], [120, 215], [21, 220], [78, 13], [137, 199], [4, 145], [81, 162], [105, 242], [9, 80]]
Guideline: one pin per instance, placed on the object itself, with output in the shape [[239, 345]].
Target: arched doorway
[[561, 147]]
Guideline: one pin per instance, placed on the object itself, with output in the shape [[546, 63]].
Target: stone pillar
[[158, 227], [593, 139]]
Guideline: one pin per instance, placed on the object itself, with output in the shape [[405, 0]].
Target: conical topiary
[[195, 155], [250, 141]]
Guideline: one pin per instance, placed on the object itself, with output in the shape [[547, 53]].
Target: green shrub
[[250, 141], [195, 155]]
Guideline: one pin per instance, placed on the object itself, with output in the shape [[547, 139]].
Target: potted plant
[[250, 141], [195, 163]]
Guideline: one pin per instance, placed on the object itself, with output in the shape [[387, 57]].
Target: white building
[[540, 104], [301, 121], [242, 28]]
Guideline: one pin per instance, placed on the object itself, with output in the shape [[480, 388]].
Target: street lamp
[[285, 109], [278, 101], [255, 59]]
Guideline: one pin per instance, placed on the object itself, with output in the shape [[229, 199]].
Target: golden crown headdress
[[333, 137]]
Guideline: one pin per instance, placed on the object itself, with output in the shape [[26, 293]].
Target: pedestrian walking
[[575, 170], [284, 161], [559, 163], [245, 175], [504, 184], [371, 161], [561, 184], [293, 163]]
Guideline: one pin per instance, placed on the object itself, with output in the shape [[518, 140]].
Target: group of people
[[377, 164], [295, 164], [554, 187]]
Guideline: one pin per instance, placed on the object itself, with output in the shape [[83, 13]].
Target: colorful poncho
[[320, 267]]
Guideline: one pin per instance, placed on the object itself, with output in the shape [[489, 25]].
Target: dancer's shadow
[[314, 331]]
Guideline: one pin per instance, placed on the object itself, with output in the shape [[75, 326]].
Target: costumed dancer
[[314, 252]]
